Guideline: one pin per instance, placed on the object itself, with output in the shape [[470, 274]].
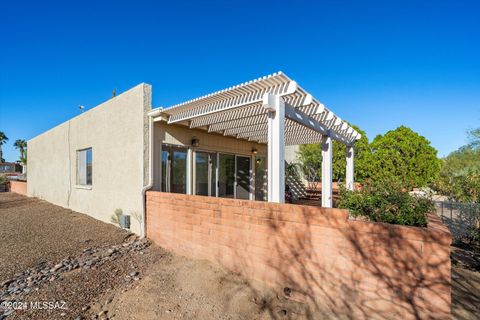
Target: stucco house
[[10, 167], [206, 179], [231, 143]]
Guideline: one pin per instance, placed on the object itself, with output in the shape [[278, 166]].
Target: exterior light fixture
[[254, 150], [195, 142]]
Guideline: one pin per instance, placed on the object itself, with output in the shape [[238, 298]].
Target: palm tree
[[21, 145], [3, 139]]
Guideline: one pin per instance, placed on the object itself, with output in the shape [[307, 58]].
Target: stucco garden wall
[[115, 130], [357, 269]]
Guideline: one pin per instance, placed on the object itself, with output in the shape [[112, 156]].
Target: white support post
[[217, 174], [276, 147], [350, 165], [189, 170], [326, 172], [252, 176]]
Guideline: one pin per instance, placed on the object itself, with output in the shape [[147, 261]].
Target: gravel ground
[[33, 231], [80, 292]]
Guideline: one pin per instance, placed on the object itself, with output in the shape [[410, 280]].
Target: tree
[[460, 175], [310, 156], [460, 161], [21, 145], [3, 140], [464, 187], [406, 156], [474, 137]]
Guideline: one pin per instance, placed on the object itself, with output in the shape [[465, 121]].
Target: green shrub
[[386, 201], [474, 234], [3, 179]]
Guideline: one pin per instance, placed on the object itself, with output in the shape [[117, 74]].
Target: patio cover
[[239, 112], [273, 110]]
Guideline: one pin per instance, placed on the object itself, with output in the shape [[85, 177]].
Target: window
[[84, 167]]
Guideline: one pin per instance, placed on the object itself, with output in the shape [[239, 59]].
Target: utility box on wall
[[125, 221]]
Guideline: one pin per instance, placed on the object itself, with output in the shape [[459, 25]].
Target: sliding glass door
[[213, 174], [226, 175], [205, 173], [260, 178], [242, 186], [174, 169]]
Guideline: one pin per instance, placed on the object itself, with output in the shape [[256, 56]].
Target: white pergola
[[273, 110]]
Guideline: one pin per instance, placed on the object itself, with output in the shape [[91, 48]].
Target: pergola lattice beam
[[238, 112], [229, 115], [304, 119], [296, 100], [232, 98], [260, 131], [238, 123], [247, 129]]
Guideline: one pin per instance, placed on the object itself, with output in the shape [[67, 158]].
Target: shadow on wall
[[340, 268], [361, 278]]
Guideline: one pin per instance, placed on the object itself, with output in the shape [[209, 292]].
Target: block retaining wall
[[19, 187], [354, 268]]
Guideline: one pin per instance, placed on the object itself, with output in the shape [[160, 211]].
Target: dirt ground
[[465, 294], [465, 280], [180, 288], [149, 283]]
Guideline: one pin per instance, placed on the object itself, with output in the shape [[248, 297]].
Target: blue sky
[[378, 64]]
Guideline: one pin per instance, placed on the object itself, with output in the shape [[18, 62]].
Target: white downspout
[[152, 114]]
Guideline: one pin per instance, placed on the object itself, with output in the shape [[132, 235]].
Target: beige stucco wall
[[116, 132], [291, 153], [297, 185]]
